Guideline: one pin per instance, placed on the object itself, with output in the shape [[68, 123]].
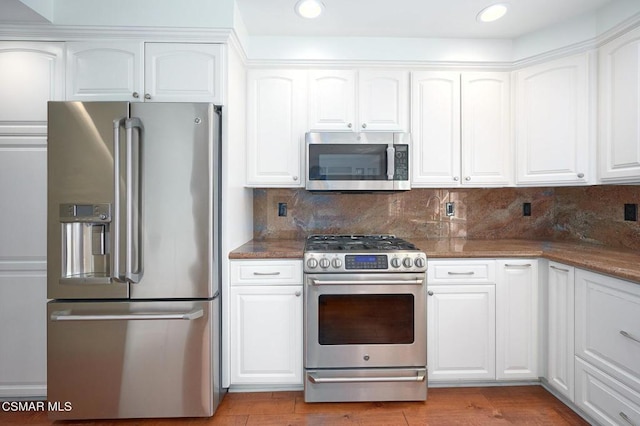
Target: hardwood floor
[[520, 405]]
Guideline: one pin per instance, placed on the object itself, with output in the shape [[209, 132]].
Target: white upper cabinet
[[31, 73], [486, 129], [619, 97], [460, 129], [383, 100], [435, 128], [366, 100], [106, 71], [150, 72], [554, 122], [276, 123], [332, 100], [183, 72]]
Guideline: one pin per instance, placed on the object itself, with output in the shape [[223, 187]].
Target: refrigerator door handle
[[115, 222], [68, 316], [133, 248]]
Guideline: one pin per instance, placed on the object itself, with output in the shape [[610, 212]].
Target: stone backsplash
[[592, 214]]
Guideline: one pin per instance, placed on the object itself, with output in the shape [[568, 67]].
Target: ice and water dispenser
[[85, 242]]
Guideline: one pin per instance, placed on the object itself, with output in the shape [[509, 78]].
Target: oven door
[[365, 320]]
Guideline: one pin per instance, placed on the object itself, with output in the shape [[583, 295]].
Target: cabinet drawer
[[606, 400], [608, 325], [464, 271], [253, 272]]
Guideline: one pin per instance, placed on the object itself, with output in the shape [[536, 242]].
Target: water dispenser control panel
[[85, 212]]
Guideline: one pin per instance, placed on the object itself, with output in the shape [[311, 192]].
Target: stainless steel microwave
[[348, 161]]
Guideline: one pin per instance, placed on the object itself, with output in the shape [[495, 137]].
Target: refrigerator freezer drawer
[[131, 359]]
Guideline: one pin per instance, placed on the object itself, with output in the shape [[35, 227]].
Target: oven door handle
[[367, 282], [315, 379]]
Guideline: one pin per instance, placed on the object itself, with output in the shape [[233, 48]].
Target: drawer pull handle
[[558, 269], [626, 418], [461, 273], [511, 265], [629, 336], [262, 274]]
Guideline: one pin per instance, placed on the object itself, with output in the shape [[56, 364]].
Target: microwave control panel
[[401, 169]]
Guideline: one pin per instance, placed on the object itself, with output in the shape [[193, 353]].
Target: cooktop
[[382, 242], [362, 253]]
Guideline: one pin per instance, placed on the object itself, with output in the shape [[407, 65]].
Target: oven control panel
[[365, 262]]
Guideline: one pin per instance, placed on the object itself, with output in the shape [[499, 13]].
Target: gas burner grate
[[348, 242]]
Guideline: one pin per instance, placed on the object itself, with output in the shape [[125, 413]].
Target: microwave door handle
[[116, 274], [391, 161], [133, 169]]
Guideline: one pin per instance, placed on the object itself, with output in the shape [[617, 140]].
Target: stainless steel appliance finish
[[133, 259], [132, 359], [365, 319], [349, 161]]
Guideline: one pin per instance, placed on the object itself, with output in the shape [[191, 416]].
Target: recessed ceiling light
[[493, 12], [309, 8]]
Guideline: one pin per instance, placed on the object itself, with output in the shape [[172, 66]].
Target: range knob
[[407, 262], [337, 263], [419, 262], [324, 263], [312, 263], [395, 262]]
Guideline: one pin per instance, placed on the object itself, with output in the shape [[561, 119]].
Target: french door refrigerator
[[133, 260]]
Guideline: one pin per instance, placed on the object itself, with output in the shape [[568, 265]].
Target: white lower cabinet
[[461, 332], [605, 399], [560, 328], [266, 322], [517, 319], [482, 320], [607, 339], [461, 328]]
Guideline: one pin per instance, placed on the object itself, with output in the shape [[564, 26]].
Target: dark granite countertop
[[621, 263]]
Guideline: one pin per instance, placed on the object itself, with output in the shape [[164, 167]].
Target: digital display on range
[[359, 261]]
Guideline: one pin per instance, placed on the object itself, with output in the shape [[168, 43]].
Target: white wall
[[378, 49], [145, 13]]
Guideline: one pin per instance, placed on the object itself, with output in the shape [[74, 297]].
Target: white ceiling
[[409, 18], [18, 12]]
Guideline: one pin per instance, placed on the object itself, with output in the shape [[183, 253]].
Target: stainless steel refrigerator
[[133, 260]]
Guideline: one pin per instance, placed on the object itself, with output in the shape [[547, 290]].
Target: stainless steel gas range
[[365, 319]]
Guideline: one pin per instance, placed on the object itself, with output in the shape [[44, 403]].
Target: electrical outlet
[[282, 209], [631, 212], [526, 209], [450, 209]]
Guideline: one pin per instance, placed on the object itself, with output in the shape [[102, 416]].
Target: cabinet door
[[435, 128], [105, 71], [517, 319], [619, 96], [486, 138], [30, 75], [276, 123], [23, 266], [553, 116], [266, 335], [383, 100], [185, 72], [461, 332], [608, 325], [560, 331], [332, 100]]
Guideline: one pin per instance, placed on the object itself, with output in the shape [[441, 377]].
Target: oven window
[[348, 162], [366, 319]]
